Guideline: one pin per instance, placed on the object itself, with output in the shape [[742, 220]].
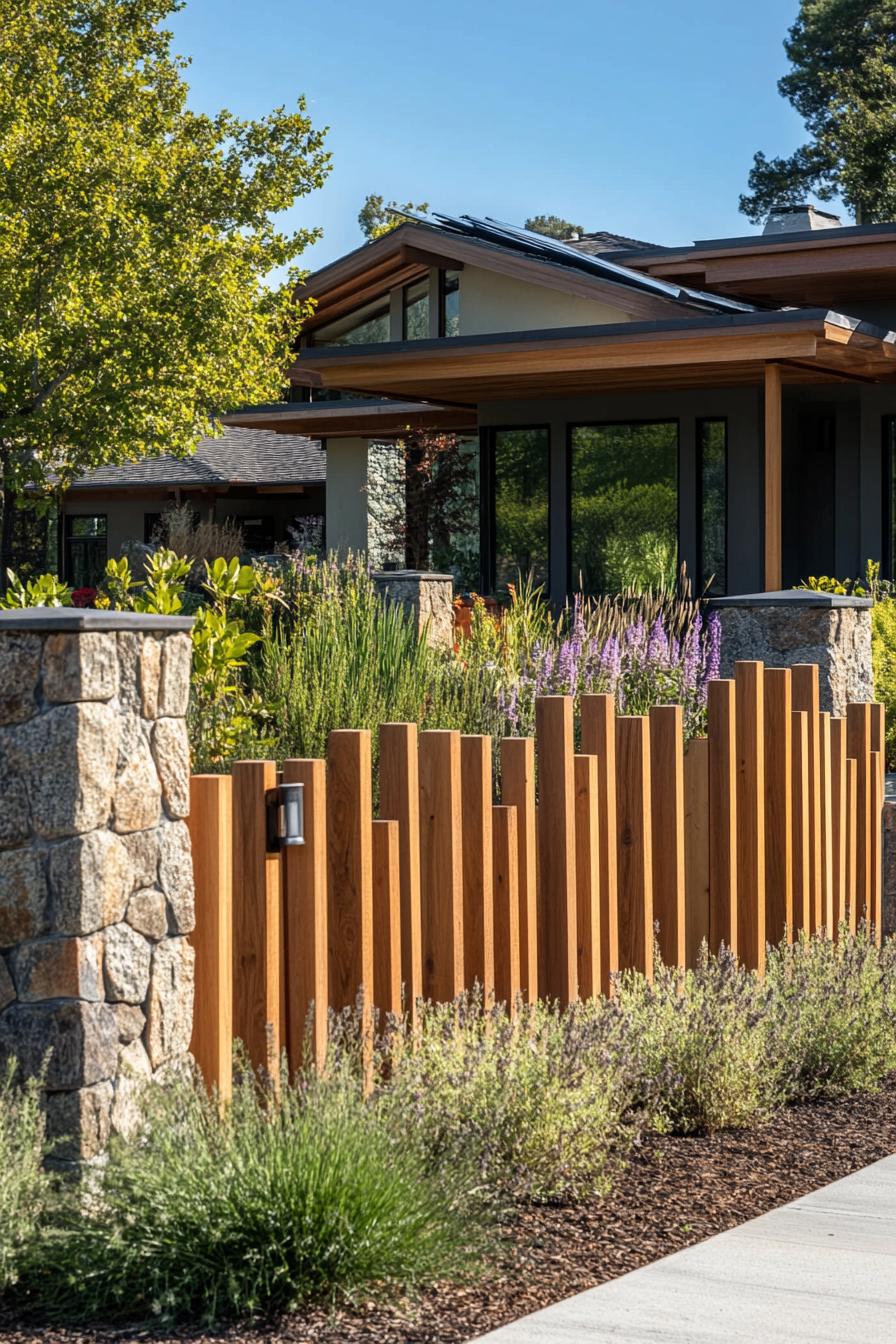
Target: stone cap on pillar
[[795, 598], [88, 620], [389, 574]]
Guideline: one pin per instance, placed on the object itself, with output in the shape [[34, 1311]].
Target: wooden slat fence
[[771, 822]]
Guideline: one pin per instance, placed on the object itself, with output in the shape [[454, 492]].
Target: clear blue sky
[[640, 118]]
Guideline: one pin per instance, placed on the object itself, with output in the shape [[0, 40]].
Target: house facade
[[730, 404]]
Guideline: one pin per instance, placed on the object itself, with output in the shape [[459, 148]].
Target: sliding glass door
[[623, 497], [519, 464]]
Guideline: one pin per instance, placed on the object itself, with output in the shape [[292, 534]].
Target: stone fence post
[[429, 597], [96, 879], [796, 626]]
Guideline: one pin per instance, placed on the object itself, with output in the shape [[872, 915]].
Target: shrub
[[213, 1215], [543, 1105], [883, 653], [24, 1186], [832, 1015], [701, 1047]]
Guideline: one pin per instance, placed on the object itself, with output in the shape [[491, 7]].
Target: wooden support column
[[771, 575]]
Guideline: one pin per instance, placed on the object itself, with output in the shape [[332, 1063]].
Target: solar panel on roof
[[552, 249]]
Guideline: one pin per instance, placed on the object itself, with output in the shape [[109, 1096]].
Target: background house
[[265, 482]]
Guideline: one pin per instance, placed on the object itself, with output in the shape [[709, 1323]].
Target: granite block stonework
[[796, 626], [96, 879], [428, 597]]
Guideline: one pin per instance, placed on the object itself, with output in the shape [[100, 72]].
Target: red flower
[[83, 597]]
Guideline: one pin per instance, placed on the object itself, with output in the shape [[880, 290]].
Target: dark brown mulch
[[674, 1192]]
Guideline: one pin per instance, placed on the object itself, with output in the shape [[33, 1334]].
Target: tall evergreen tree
[[843, 85]]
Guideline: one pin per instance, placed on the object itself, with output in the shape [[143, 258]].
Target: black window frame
[[571, 427], [487, 503], [443, 292], [888, 515], [699, 422], [67, 539]]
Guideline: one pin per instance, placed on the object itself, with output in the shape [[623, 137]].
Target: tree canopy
[[378, 216], [136, 238], [552, 226], [842, 82]]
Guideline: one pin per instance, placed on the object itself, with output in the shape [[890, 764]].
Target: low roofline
[[787, 317], [843, 236], [217, 486]]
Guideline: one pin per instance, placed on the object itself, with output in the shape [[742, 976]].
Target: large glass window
[[415, 323], [449, 298], [365, 326], [85, 549], [623, 505], [712, 504], [520, 467]]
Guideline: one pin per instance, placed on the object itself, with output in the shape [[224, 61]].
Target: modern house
[[730, 403], [267, 483]]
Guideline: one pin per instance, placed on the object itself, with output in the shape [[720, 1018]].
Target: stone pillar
[[430, 597], [96, 879], [795, 626]]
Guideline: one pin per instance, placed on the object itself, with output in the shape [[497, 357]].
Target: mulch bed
[[674, 1192]]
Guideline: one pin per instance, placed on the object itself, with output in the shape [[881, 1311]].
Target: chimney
[[800, 219]]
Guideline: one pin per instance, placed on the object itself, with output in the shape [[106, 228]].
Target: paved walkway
[[822, 1269]]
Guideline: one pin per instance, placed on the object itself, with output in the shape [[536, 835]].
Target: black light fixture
[[285, 808]]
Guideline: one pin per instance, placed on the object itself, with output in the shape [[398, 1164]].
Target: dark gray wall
[[858, 411]]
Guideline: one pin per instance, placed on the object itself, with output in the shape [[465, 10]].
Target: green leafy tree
[[552, 226], [843, 84], [378, 216], [136, 236]]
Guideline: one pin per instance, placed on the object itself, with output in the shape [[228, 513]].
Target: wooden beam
[[772, 479]]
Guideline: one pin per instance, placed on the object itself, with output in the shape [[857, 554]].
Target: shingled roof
[[238, 457]]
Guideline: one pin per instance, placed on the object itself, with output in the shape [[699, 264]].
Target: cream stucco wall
[[490, 302], [347, 494]]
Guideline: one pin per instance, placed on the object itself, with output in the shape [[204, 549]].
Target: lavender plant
[[699, 1034], [831, 1025], [544, 1104]]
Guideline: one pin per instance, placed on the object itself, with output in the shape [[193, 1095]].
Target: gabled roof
[[239, 457], [406, 252]]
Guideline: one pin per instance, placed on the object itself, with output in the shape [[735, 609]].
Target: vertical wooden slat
[[772, 569], [696, 847], [556, 848], [476, 814], [667, 819], [877, 803], [598, 714], [858, 745], [257, 924], [209, 823], [400, 801], [587, 878], [750, 736], [801, 830], [778, 804], [805, 699], [307, 918], [441, 865], [878, 738], [838, 817], [350, 871], [386, 920], [722, 816], [518, 791], [633, 840], [505, 869], [852, 793], [826, 829]]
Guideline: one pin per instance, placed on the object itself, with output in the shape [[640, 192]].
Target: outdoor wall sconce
[[285, 809]]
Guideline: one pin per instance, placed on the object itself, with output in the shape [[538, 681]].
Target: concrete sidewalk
[[822, 1269]]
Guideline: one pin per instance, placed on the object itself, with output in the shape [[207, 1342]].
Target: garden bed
[[675, 1192]]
